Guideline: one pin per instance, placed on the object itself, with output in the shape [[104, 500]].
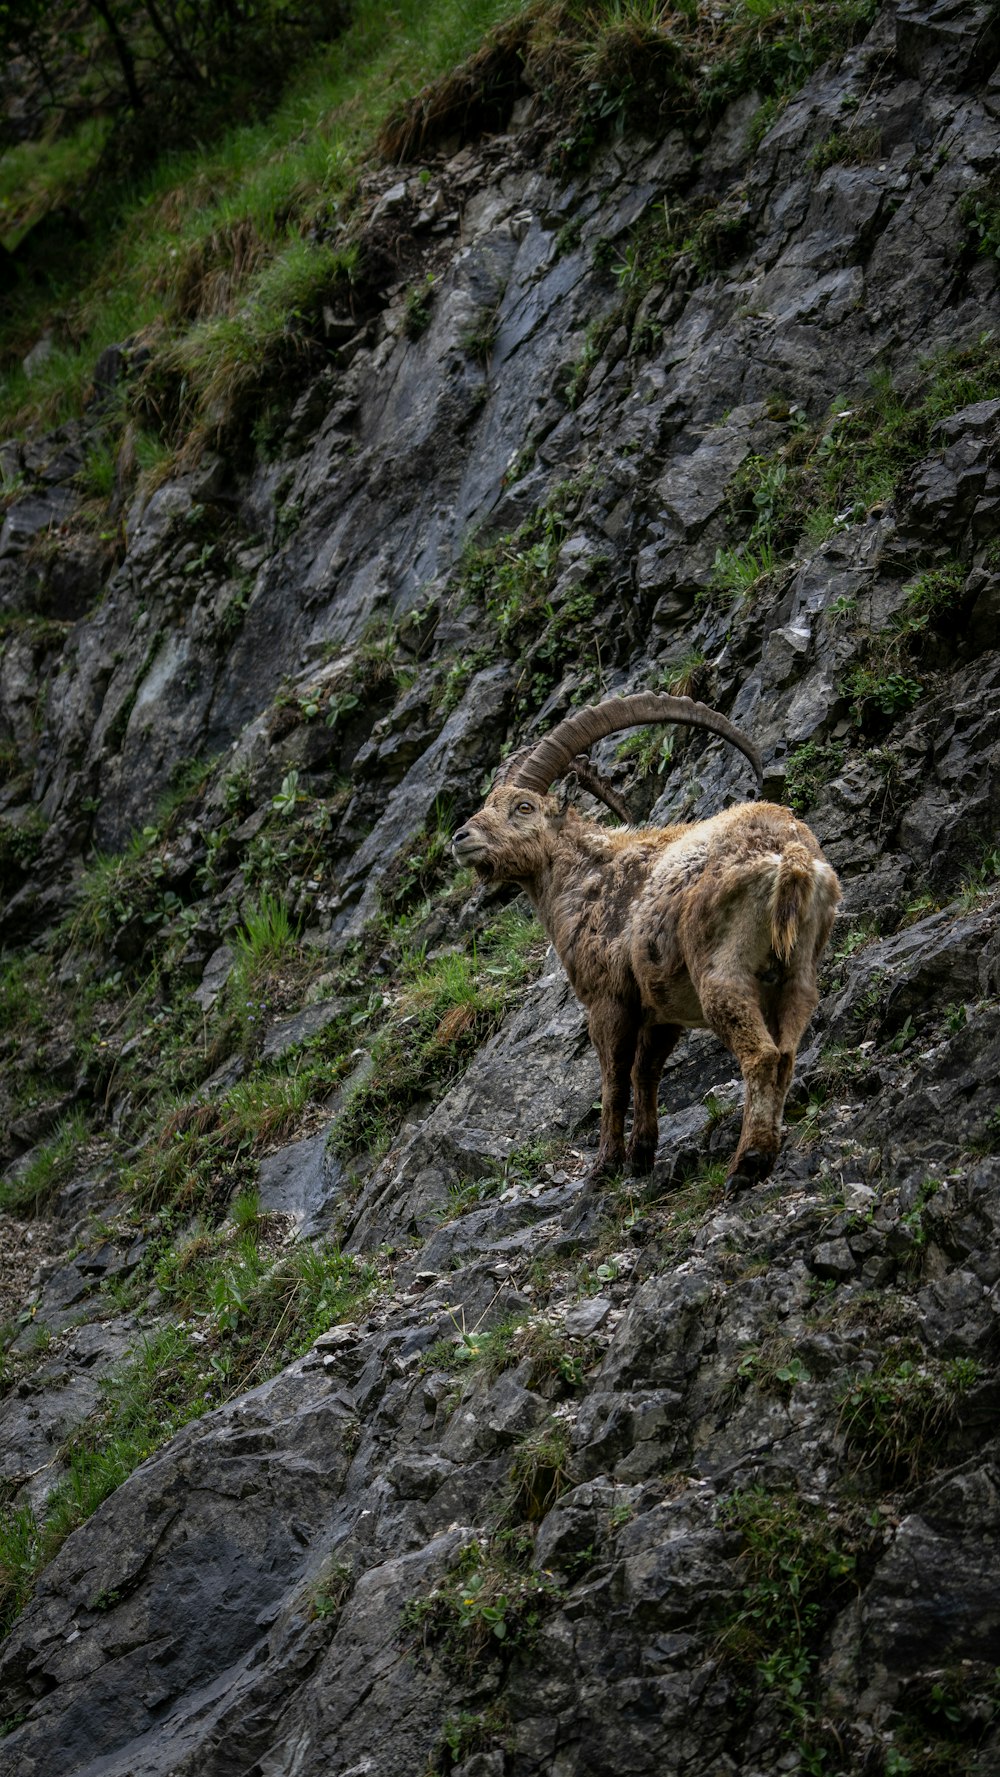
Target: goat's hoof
[[749, 1168], [605, 1169], [641, 1158]]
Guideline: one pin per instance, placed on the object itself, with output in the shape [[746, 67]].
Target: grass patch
[[444, 1009], [49, 1166], [256, 1315], [896, 1420], [220, 259], [799, 1565], [809, 768], [490, 1607]]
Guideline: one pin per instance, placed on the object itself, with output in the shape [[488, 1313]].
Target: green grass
[[737, 572], [797, 1565], [221, 258], [257, 1313], [34, 175], [896, 1421], [163, 259], [444, 1009], [49, 1166], [267, 936]]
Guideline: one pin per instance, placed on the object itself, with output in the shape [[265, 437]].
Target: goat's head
[[511, 838]]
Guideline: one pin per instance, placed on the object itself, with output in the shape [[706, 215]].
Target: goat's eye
[[523, 807]]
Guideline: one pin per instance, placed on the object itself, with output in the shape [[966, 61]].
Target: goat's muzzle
[[468, 847]]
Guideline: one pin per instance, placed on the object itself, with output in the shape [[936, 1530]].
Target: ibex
[[717, 924]]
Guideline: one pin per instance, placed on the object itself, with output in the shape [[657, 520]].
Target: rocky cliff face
[[433, 1483]]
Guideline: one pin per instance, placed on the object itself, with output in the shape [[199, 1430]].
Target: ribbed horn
[[589, 779], [549, 759]]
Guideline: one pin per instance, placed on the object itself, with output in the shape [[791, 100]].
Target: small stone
[[587, 1316], [835, 1259]]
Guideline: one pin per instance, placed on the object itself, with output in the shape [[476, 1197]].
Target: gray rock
[[303, 1181]]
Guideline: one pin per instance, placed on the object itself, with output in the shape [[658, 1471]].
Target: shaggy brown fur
[[719, 924]]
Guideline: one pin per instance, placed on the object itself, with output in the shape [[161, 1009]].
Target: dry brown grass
[[205, 276]]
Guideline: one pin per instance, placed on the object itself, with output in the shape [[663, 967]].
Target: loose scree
[[716, 924]]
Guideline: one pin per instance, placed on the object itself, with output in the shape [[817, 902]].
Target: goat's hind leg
[[732, 1010], [651, 1051]]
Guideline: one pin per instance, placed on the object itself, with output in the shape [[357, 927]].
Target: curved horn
[[551, 756], [598, 786]]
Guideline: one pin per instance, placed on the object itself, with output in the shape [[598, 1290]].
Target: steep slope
[[431, 1483]]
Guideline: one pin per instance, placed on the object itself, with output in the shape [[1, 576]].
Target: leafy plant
[[736, 572], [267, 936], [489, 1604], [417, 308], [28, 1190]]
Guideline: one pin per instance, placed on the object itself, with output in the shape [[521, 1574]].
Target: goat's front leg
[[614, 1029], [651, 1051]]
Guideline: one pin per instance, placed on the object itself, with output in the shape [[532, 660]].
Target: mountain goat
[[715, 924]]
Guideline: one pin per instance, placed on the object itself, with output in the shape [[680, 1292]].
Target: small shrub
[[874, 688], [798, 1565], [489, 1605], [538, 1474], [851, 147], [737, 572], [417, 308]]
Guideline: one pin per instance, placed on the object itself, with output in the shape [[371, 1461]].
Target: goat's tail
[[791, 896]]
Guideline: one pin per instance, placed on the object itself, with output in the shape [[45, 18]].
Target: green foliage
[[649, 749], [984, 877], [737, 572], [96, 477], [466, 1733], [798, 1566], [212, 240], [810, 767], [414, 875], [145, 1401], [489, 1605], [682, 677], [332, 1590], [773, 1368], [539, 1473], [830, 474], [980, 211], [267, 937], [480, 336], [514, 578], [877, 687], [20, 844], [417, 310], [896, 1420]]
